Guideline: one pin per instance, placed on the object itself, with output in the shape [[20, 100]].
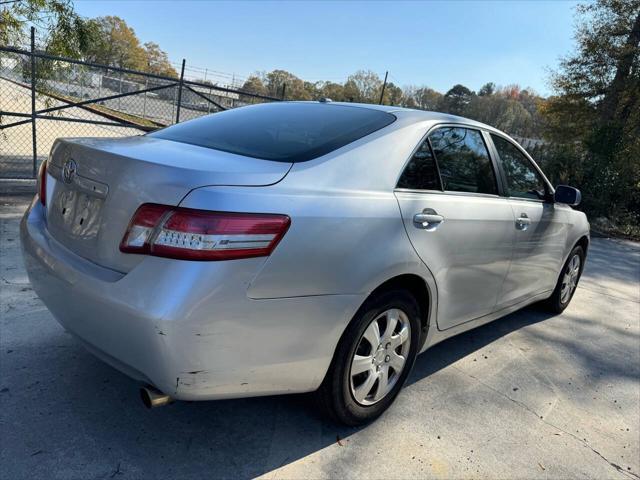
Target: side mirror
[[568, 195]]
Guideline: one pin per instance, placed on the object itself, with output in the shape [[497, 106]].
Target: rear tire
[[567, 282], [363, 379]]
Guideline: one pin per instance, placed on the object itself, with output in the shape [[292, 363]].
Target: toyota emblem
[[69, 171]]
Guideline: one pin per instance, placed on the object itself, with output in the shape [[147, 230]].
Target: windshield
[[284, 132]]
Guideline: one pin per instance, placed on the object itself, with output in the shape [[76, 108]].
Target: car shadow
[[86, 410], [453, 349]]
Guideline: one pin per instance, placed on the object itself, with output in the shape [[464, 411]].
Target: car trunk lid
[[96, 185]]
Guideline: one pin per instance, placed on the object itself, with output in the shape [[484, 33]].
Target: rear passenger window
[[464, 161], [421, 172]]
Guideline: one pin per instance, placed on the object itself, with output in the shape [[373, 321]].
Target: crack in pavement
[[530, 410]]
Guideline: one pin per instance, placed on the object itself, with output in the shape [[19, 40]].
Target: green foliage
[[331, 90], [105, 40], [65, 32], [594, 122], [279, 82], [487, 89], [457, 99], [113, 42], [423, 98], [157, 61]]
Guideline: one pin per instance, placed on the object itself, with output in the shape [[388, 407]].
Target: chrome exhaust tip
[[152, 397]]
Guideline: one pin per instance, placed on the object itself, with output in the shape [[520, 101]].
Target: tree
[[594, 115], [363, 86], [331, 90], [487, 89], [427, 98], [157, 61], [457, 99], [115, 43], [605, 66], [510, 108], [253, 84], [393, 95], [64, 32], [294, 87]]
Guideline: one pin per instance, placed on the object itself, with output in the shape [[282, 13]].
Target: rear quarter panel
[[346, 234]]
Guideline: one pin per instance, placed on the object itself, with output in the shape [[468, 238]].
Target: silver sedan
[[295, 247]]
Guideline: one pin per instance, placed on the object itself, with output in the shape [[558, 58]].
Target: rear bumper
[[187, 327]]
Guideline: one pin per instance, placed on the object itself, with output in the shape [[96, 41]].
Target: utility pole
[[386, 74]]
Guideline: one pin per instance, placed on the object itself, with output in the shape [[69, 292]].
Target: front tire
[[568, 281], [373, 359]]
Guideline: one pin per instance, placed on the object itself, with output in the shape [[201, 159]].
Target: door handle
[[523, 222], [428, 219]]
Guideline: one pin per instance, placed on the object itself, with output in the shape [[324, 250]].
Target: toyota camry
[[295, 247]]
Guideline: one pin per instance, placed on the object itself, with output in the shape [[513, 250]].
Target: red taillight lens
[[42, 180], [190, 234], [142, 225]]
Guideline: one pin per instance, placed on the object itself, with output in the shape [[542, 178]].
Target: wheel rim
[[380, 357], [570, 279]]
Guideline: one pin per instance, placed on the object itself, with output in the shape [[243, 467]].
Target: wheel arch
[[583, 242], [418, 288]]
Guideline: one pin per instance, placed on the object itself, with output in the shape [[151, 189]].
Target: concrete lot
[[529, 396]]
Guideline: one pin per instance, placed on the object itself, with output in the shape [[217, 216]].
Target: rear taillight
[[42, 183], [190, 234]]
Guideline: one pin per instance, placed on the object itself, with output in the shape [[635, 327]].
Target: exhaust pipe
[[152, 397]]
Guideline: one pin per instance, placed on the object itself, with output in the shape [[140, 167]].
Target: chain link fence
[[44, 97]]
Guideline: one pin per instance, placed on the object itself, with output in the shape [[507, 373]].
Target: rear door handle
[[428, 219], [523, 222]]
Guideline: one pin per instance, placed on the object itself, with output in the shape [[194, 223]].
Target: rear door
[[459, 225], [540, 228]]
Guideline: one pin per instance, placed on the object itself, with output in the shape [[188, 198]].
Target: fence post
[[180, 91], [81, 84], [144, 104], [120, 90], [33, 101], [100, 85]]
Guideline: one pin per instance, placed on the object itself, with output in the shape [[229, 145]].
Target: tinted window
[[421, 172], [523, 180], [286, 132], [464, 161]]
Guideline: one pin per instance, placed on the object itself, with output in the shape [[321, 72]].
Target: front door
[[540, 226], [458, 224]]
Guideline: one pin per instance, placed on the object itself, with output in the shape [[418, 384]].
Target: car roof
[[414, 114]]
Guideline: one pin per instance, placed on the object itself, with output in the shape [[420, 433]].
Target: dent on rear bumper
[[187, 327]]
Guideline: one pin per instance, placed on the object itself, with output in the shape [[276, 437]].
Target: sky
[[432, 43]]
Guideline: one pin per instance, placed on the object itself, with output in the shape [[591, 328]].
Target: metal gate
[[44, 97]]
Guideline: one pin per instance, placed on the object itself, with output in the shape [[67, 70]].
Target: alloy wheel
[[570, 279], [380, 356]]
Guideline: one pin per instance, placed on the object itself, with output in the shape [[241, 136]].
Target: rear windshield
[[285, 132]]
